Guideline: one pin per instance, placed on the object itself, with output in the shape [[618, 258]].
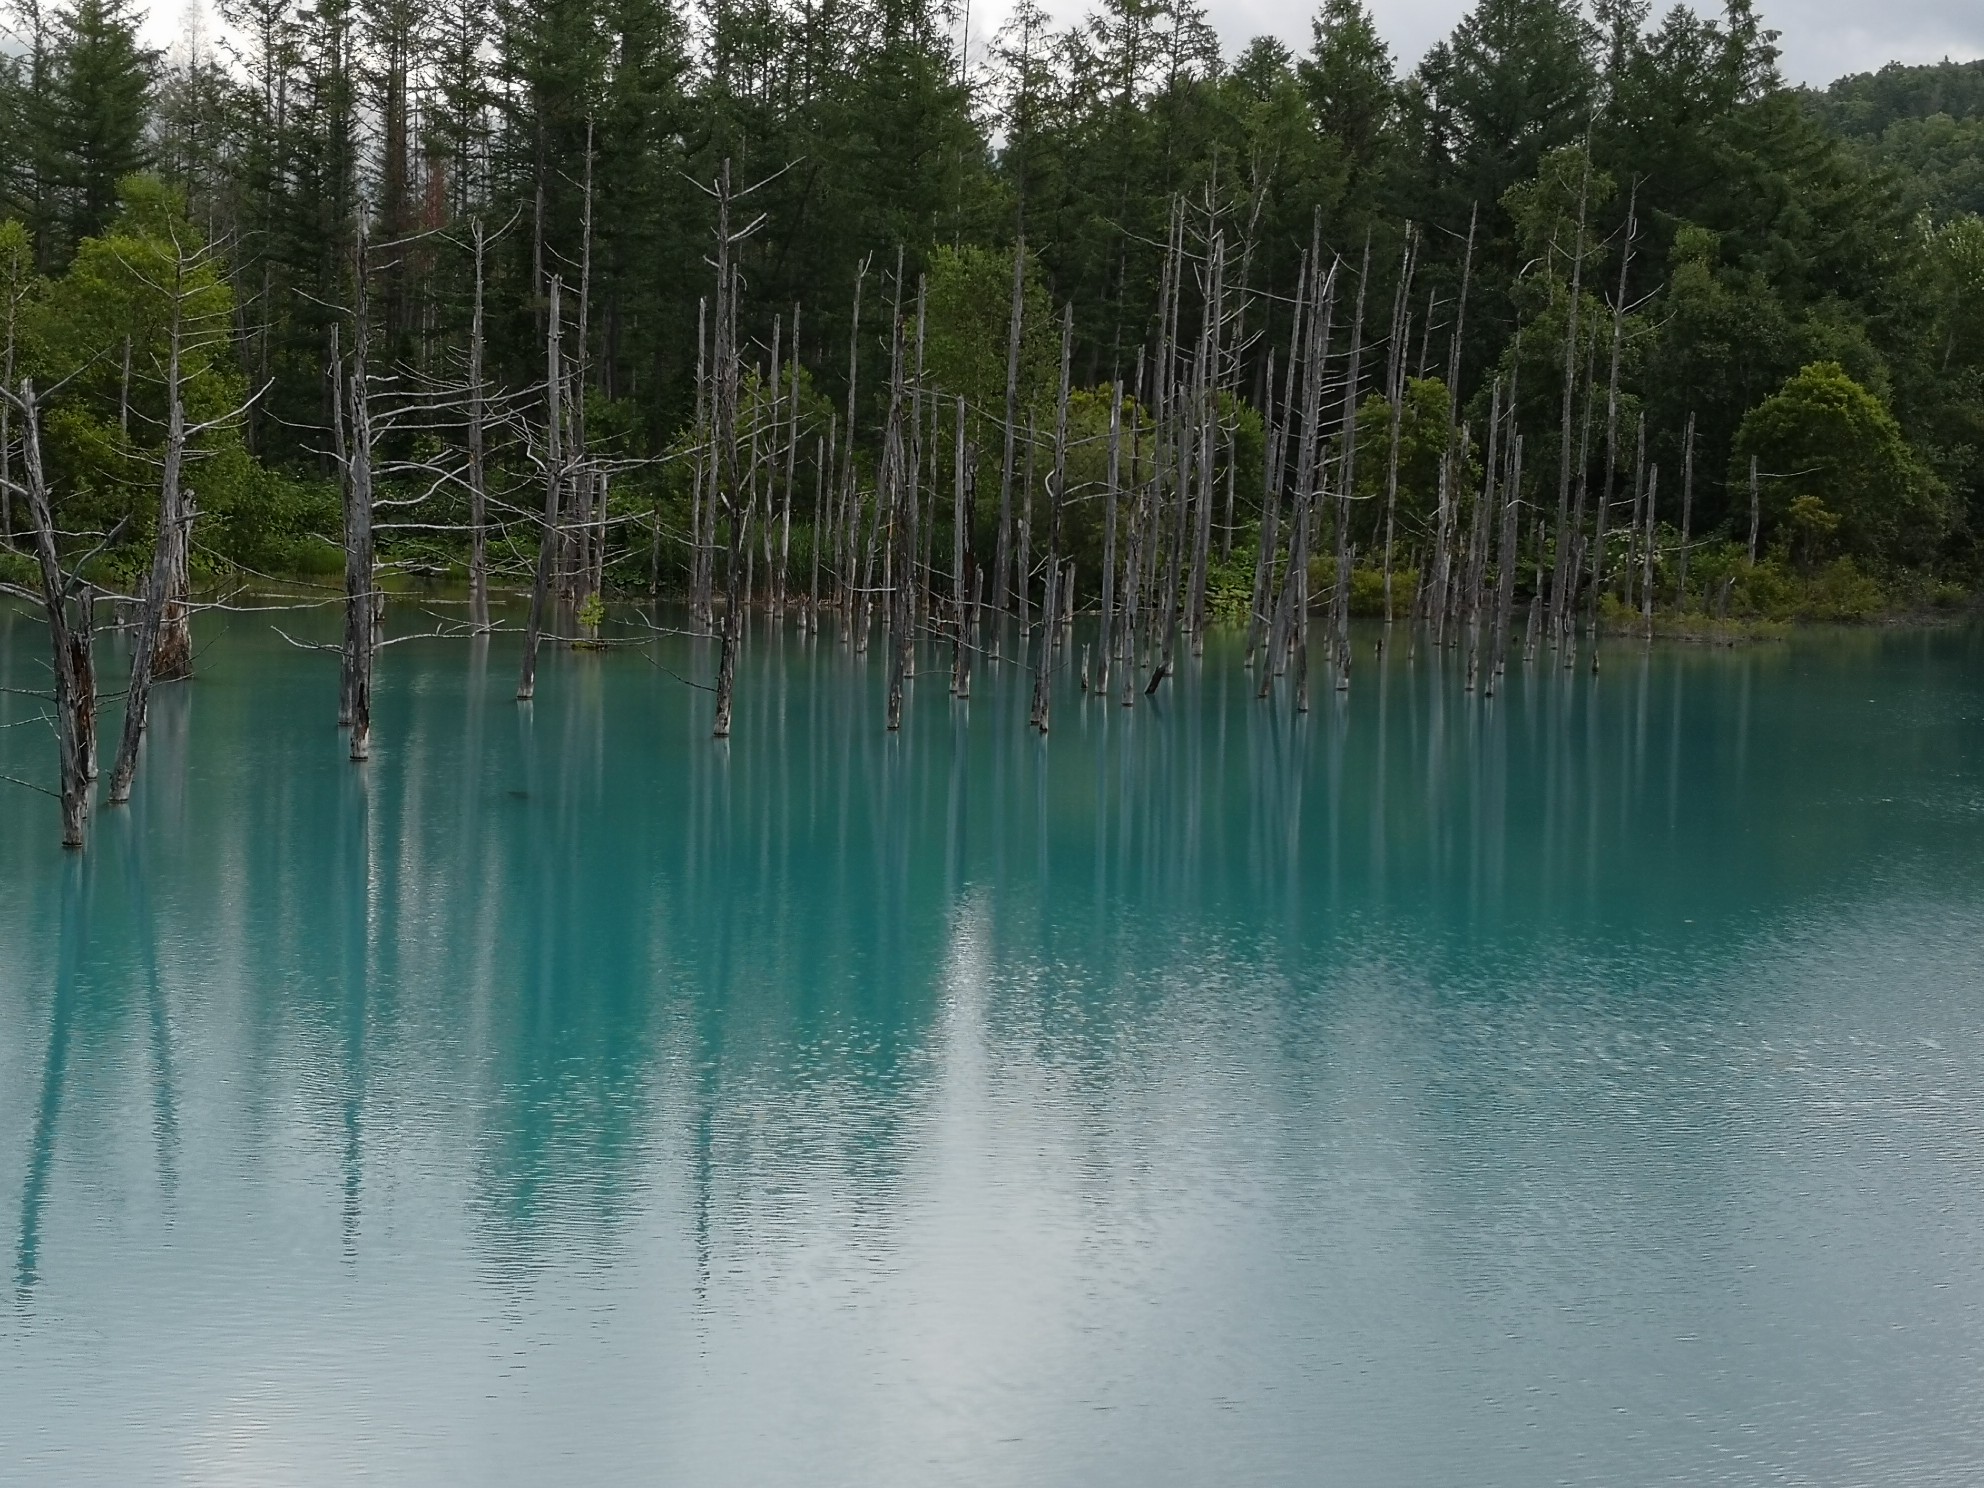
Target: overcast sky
[[1822, 39]]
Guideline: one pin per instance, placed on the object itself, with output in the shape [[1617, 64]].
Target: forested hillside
[[1621, 233]]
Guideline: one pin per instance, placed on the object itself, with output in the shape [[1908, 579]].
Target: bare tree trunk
[[1687, 512], [851, 510], [1484, 511], [791, 469], [1206, 409], [137, 697], [14, 298], [478, 484], [554, 481], [1646, 550], [360, 582], [1022, 587], [959, 638], [1289, 631], [573, 542], [1562, 555], [728, 486], [1753, 511], [1347, 480], [912, 565], [699, 576], [1630, 574], [824, 500], [1506, 557], [1573, 565], [1454, 450], [1401, 337], [1172, 595], [1133, 564], [1612, 414], [1110, 495], [1050, 610], [70, 657], [1014, 336], [898, 486], [811, 619], [1268, 537]]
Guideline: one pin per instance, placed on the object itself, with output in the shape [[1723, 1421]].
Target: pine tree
[[102, 97]]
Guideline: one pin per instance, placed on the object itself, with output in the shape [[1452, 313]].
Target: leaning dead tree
[[196, 328], [66, 599]]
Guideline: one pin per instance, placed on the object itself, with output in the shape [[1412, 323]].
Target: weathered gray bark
[[1347, 479], [1506, 557], [1573, 565], [69, 646], [851, 500], [1754, 509], [728, 485], [1559, 601], [1002, 554], [959, 639], [1444, 589], [1687, 511], [478, 486], [1206, 410], [1401, 337], [1612, 412], [1484, 511], [158, 587], [898, 488], [361, 606], [1050, 609], [699, 552], [1646, 550], [1111, 491], [791, 471], [554, 481]]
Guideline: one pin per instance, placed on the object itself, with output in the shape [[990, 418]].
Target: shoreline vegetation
[[1586, 324]]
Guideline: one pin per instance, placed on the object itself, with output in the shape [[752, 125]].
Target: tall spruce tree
[[102, 97]]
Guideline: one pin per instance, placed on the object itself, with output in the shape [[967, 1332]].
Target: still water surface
[[1586, 1087]]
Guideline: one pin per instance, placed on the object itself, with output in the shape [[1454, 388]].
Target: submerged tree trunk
[[69, 649], [361, 603], [554, 479], [1109, 498], [478, 491], [1395, 394], [158, 588], [1050, 610], [1753, 511], [1687, 512], [1347, 481], [959, 638], [1558, 599], [1454, 449], [1612, 418], [1002, 553], [727, 486]]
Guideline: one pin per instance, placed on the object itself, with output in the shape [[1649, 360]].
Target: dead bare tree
[[727, 490], [66, 602], [161, 648]]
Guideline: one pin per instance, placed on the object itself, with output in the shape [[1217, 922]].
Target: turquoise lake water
[[1585, 1086]]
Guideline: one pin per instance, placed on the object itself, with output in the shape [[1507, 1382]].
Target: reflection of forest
[[568, 955]]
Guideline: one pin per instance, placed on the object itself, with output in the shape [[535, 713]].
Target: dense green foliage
[[1805, 276]]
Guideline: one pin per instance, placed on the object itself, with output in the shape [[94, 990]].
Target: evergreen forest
[[1585, 315]]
